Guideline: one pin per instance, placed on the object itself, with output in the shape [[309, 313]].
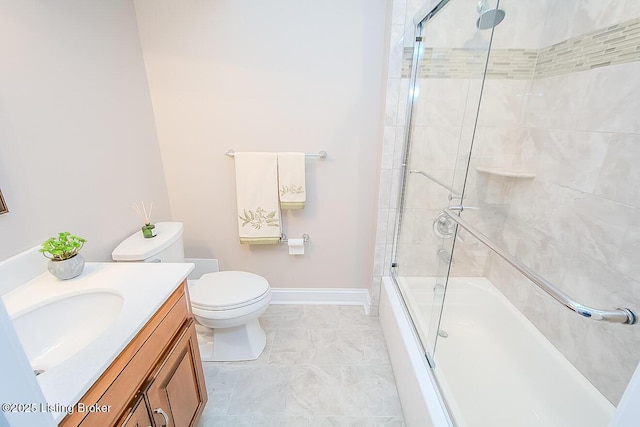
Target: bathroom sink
[[57, 330]]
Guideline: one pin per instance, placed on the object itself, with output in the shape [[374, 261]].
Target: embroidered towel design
[[257, 198], [291, 180], [259, 218]]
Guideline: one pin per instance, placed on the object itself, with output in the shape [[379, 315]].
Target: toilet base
[[238, 343]]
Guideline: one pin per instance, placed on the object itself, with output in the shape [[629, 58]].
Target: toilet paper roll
[[296, 246]]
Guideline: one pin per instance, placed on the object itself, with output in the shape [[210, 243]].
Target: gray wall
[[283, 76], [77, 138]]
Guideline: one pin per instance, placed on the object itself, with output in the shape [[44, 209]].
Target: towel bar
[[321, 154]]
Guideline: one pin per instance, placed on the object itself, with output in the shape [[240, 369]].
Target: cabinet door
[[177, 394], [139, 416]]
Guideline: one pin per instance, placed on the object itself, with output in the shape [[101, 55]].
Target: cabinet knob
[[164, 414]]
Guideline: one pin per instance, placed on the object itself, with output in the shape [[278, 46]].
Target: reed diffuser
[[148, 229]]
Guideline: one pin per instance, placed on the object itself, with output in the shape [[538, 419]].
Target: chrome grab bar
[[620, 315], [437, 181]]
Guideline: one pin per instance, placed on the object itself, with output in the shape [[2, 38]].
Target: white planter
[[68, 268]]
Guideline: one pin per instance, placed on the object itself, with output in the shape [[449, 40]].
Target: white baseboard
[[328, 296], [332, 296]]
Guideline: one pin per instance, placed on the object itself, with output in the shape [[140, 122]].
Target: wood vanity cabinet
[[174, 394], [157, 380], [139, 415]]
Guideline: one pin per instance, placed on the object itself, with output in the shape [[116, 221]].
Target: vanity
[[114, 346]]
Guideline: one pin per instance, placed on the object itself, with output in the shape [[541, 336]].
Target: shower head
[[489, 17]]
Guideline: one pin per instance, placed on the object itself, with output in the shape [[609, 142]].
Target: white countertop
[[144, 288]]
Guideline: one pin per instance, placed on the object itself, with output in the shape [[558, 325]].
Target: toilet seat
[[228, 290], [230, 299]]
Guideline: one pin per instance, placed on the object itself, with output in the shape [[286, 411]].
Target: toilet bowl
[[225, 304]]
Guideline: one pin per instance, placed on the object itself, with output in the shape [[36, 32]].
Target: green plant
[[65, 246]]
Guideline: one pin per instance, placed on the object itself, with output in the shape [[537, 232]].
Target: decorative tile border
[[469, 63], [612, 45]]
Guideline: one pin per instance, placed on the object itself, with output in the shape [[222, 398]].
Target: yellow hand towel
[[291, 180], [257, 198]]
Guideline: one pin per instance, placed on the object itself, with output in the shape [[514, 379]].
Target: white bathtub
[[494, 367]]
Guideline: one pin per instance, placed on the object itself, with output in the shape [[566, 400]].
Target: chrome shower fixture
[[443, 226], [489, 17]]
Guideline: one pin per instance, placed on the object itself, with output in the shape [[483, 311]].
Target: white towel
[[257, 198], [291, 180]]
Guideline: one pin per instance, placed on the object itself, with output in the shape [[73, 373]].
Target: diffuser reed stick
[[142, 212]]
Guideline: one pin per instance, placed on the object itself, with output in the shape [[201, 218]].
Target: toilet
[[225, 304]]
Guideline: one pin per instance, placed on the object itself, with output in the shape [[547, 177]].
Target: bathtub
[[494, 368]]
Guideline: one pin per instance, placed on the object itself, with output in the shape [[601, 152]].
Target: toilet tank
[[166, 246]]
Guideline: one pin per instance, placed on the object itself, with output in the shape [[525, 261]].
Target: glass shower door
[[446, 78]]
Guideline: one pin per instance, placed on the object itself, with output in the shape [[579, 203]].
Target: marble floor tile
[[316, 390], [320, 316], [354, 317], [281, 316], [375, 348], [253, 421], [322, 366], [337, 346], [261, 390], [291, 346], [370, 390], [356, 422]]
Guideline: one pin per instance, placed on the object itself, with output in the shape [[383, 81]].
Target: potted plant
[[65, 262]]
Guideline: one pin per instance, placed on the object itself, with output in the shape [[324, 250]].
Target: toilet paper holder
[[283, 238]]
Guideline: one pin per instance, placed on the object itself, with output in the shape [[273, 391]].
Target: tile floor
[[322, 366]]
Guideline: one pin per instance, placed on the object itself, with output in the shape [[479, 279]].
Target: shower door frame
[[420, 20], [417, 55]]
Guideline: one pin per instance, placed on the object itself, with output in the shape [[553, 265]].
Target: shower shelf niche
[[507, 173], [496, 185]]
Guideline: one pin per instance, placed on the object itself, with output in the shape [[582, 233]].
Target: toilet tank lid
[[137, 248]]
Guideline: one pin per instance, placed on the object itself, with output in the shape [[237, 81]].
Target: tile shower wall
[[582, 229], [393, 143], [615, 44], [573, 126], [575, 222], [442, 128], [445, 106], [418, 245]]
